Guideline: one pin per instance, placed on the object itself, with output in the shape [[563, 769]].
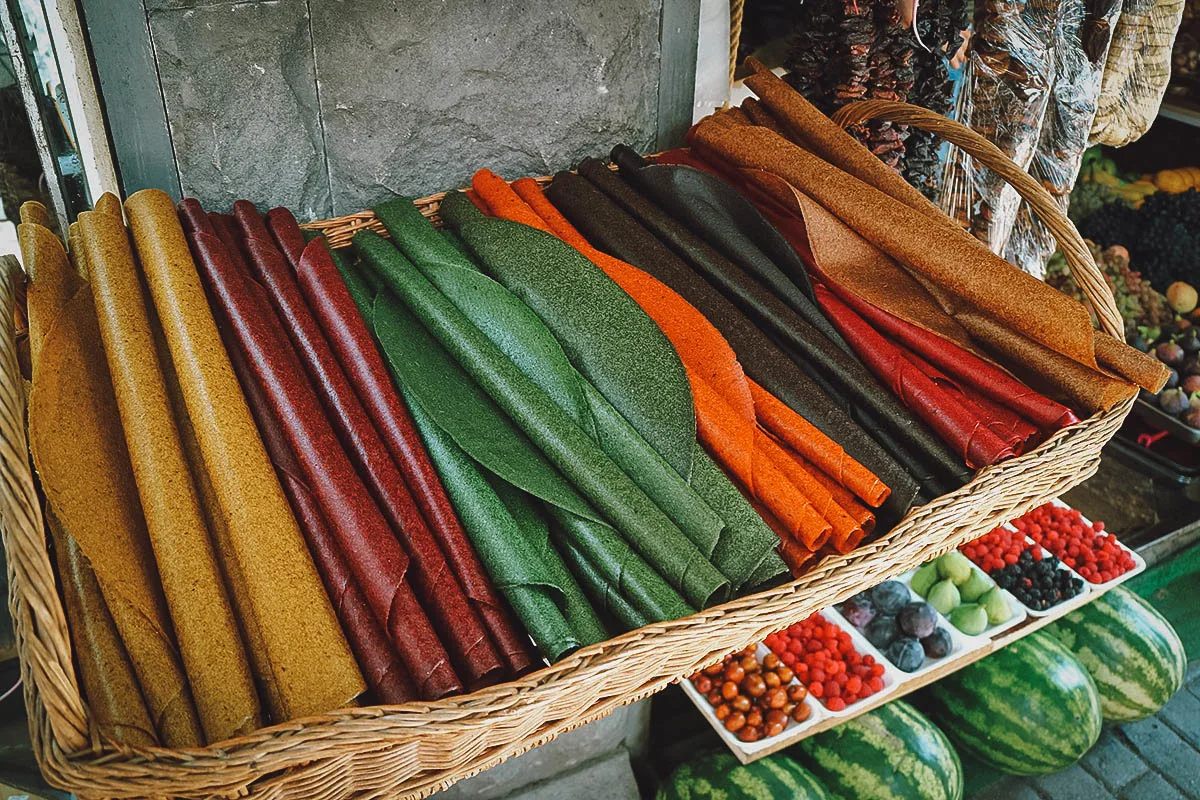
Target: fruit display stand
[[1023, 623], [419, 748]]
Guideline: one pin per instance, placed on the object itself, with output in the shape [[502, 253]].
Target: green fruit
[[1027, 709], [970, 618], [891, 753], [976, 586], [1133, 654], [944, 597], [997, 606], [719, 776], [956, 567], [924, 578]]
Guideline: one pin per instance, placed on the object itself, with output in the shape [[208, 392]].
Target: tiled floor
[[1155, 759]]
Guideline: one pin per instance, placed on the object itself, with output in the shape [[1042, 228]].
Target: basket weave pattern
[[418, 748]]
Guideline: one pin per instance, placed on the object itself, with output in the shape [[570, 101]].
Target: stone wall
[[328, 106]]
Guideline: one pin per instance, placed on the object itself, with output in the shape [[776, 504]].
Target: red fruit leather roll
[[956, 424], [1005, 423], [381, 666], [375, 558], [355, 348], [969, 369], [459, 626]]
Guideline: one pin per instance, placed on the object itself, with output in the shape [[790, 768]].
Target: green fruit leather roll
[[647, 528]]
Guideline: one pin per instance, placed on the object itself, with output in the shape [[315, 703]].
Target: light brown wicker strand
[[1078, 256], [737, 11], [413, 750]]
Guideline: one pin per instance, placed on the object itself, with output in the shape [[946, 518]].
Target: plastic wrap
[[1083, 36], [1007, 89]]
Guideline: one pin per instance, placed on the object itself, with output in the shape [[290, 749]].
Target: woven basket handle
[[1079, 258]]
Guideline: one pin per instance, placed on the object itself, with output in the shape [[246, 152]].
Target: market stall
[[312, 505]]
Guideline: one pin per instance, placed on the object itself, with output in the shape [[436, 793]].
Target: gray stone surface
[[1113, 763], [1073, 783], [623, 731], [1182, 714], [1164, 750], [1152, 786], [241, 98], [1011, 789], [525, 87], [610, 778]]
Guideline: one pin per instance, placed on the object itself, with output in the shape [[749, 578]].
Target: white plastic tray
[[750, 749], [991, 631]]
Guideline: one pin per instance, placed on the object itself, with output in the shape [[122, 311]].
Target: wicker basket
[[415, 749]]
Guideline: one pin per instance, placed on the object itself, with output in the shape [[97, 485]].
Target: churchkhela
[[281, 479]]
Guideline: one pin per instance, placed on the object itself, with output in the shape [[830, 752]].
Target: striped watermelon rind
[[1028, 709], [1133, 654], [891, 753], [719, 776]]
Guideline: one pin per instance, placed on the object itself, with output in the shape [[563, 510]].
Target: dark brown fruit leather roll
[[377, 560]]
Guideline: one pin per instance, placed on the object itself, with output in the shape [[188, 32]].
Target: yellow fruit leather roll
[[109, 685], [307, 656], [79, 450], [209, 639]]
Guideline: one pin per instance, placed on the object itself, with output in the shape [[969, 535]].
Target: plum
[[858, 611], [906, 653], [938, 644], [917, 619], [1170, 354], [881, 631], [1189, 340], [1172, 379], [889, 597], [1191, 384], [1191, 366]]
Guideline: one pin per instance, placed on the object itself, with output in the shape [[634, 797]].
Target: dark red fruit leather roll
[[961, 429], [459, 626], [355, 348], [381, 665], [375, 557]]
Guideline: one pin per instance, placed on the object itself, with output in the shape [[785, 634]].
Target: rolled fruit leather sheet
[[385, 675], [778, 302], [611, 229], [311, 666], [721, 427], [435, 381], [966, 278], [586, 310], [338, 315], [210, 642], [79, 450], [459, 626], [556, 432], [109, 685], [370, 547], [503, 524]]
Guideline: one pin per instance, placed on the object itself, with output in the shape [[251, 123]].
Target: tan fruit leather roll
[[311, 662], [209, 640], [974, 273], [79, 450], [35, 213], [113, 696]]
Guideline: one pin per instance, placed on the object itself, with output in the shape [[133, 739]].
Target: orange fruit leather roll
[[728, 431], [828, 456], [794, 554], [209, 638], [305, 657]]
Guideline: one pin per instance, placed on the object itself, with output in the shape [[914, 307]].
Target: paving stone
[[1009, 789], [416, 94], [1182, 713], [1073, 783], [610, 778], [623, 730], [241, 97], [1164, 750], [1113, 763], [1151, 786]]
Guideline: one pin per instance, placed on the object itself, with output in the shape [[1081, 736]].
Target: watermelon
[[891, 753], [1029, 709], [719, 776], [1133, 654]]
